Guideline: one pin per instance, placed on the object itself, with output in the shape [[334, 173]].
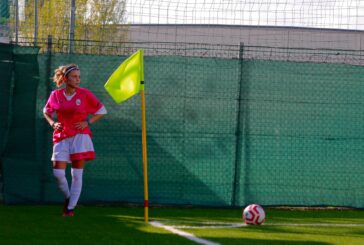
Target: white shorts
[[79, 147]]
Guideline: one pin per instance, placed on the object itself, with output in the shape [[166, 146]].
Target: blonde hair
[[61, 73]]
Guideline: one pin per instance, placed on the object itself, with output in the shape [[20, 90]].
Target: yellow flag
[[125, 81]]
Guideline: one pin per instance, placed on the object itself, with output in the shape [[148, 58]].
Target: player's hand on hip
[[81, 125], [57, 126]]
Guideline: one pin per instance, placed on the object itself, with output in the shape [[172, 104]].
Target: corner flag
[[125, 80]]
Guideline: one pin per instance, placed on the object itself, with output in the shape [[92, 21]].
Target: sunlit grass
[[125, 225]]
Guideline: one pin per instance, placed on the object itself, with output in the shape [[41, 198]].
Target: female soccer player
[[72, 135]]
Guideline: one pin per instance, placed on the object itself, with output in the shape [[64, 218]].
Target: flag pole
[[145, 163], [144, 143]]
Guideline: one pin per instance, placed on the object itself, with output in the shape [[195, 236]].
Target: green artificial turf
[[125, 225]]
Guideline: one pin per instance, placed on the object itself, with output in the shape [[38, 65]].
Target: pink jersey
[[69, 112]]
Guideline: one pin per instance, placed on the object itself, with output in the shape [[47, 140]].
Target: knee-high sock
[[60, 175], [76, 187]]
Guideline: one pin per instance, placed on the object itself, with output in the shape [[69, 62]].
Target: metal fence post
[[16, 5], [45, 142], [240, 134], [35, 22], [72, 26]]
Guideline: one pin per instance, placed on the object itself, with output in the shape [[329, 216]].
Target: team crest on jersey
[[78, 102]]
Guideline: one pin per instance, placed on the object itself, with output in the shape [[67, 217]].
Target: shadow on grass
[[45, 225], [222, 239]]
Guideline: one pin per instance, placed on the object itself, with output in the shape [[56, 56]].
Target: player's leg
[[59, 172], [81, 150], [76, 186], [60, 158]]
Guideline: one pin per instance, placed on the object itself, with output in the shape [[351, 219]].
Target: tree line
[[98, 24]]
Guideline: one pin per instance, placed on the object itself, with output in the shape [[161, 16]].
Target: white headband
[[72, 68]]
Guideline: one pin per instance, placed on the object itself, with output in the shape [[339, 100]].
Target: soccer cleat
[[65, 205], [68, 213]]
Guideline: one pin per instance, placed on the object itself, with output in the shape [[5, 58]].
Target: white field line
[[184, 234], [209, 226], [221, 225], [316, 225]]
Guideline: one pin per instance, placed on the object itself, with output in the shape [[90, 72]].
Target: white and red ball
[[254, 215]]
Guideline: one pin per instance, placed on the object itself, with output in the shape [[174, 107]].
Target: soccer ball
[[254, 215]]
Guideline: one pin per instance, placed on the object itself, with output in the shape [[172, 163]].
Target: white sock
[[76, 187], [60, 175]]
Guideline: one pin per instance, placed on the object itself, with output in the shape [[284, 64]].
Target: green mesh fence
[[20, 167], [221, 132], [6, 69], [303, 138], [4, 10]]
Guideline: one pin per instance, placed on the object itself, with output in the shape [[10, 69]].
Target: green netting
[[6, 69], [4, 10], [21, 175], [293, 137], [304, 142]]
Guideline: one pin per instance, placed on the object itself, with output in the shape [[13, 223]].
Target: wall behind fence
[[221, 132]]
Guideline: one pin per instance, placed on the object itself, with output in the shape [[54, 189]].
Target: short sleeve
[[49, 107], [93, 104]]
